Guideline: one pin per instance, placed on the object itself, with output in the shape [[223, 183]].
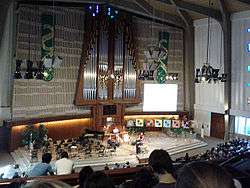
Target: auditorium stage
[[126, 152]]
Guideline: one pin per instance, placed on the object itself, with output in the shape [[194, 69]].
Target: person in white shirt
[[64, 165]]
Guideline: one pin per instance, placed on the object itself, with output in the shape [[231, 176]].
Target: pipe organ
[[108, 62]]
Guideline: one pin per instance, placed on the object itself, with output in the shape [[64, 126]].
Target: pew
[[118, 176]]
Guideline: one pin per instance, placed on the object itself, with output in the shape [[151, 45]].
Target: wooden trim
[[181, 113], [145, 5], [13, 123]]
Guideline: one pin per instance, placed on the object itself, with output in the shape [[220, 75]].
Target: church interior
[[107, 83]]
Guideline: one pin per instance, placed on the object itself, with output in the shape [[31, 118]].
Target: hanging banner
[[47, 47], [161, 72]]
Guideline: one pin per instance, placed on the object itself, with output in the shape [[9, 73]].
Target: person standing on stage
[[43, 168], [64, 165]]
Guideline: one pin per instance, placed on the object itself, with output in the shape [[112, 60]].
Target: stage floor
[[124, 153]]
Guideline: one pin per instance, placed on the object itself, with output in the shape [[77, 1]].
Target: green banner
[[47, 46], [163, 57]]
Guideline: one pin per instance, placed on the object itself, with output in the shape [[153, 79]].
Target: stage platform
[[125, 153]]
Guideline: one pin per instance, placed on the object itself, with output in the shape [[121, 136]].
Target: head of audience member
[[46, 158], [145, 179], [204, 174], [98, 180], [47, 184], [84, 174], [160, 162], [64, 154]]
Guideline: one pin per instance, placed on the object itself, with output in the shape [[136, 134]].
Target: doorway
[[217, 125]]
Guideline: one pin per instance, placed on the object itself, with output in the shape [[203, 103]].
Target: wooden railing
[[118, 176]]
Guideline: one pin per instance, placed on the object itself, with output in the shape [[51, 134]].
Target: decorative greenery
[[133, 130], [34, 135]]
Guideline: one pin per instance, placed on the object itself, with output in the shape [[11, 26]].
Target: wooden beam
[[183, 14], [226, 27], [145, 5], [183, 5], [157, 16], [244, 1], [125, 5]]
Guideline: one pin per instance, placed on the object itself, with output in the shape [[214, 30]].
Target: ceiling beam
[[125, 5], [244, 1], [196, 8], [184, 15], [155, 16], [145, 5]]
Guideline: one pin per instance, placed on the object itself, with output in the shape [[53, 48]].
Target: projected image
[[160, 97], [166, 123], [149, 123], [139, 122], [158, 123]]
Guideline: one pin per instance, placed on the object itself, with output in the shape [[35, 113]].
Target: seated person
[[112, 143], [64, 165], [43, 168], [46, 184], [10, 172], [99, 180], [203, 174], [161, 163], [84, 174]]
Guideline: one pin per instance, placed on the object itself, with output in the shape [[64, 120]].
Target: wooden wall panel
[[3, 138], [56, 130], [217, 125]]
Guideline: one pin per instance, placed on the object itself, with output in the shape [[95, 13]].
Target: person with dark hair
[[204, 174], [98, 180], [161, 163], [64, 165], [84, 174], [46, 184], [145, 179], [43, 168]]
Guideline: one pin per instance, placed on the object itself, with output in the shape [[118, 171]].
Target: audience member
[[47, 184], [203, 174], [43, 168], [11, 171], [99, 180], [84, 174], [64, 165], [145, 179], [161, 163]]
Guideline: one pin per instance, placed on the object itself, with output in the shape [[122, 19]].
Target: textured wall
[[33, 98], [148, 34], [7, 29], [240, 63], [208, 97]]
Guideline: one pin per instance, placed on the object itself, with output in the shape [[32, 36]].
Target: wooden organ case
[[107, 74]]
